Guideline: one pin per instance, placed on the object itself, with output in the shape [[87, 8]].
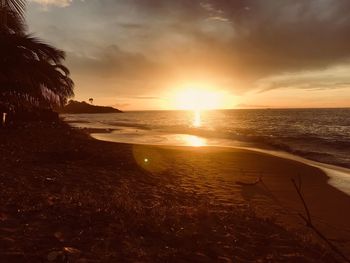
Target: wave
[[317, 134]]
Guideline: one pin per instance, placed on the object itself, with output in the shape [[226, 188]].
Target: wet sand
[[219, 172], [66, 195]]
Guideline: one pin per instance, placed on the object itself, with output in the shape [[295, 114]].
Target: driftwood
[[308, 221]]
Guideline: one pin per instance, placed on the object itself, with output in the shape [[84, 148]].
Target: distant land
[[76, 107]]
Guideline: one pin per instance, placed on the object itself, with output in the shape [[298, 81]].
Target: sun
[[196, 98]]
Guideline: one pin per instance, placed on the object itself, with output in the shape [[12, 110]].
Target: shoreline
[[109, 201], [320, 148], [323, 212], [339, 177]]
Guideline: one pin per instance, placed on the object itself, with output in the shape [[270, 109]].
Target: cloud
[[270, 38], [330, 78], [265, 37], [131, 74], [113, 62], [140, 45], [244, 105], [59, 3]]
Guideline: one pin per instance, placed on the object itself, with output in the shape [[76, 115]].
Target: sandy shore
[[65, 195]]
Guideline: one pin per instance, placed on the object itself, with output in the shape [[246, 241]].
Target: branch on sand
[[308, 221]]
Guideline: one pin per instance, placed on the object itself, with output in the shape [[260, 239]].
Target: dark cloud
[[240, 40], [268, 36], [273, 37], [333, 78], [116, 63], [132, 26], [115, 71]]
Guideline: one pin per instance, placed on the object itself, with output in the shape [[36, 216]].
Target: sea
[[321, 136]]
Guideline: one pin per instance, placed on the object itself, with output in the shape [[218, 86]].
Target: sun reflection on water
[[194, 141], [197, 120]]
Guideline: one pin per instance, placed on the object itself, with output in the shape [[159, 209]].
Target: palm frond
[[32, 71], [11, 21], [18, 6]]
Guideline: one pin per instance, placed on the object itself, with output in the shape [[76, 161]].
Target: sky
[[145, 54]]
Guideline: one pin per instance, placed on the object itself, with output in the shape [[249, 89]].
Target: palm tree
[[31, 72], [14, 6]]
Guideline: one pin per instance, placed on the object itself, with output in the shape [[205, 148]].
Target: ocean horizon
[[321, 135], [248, 162]]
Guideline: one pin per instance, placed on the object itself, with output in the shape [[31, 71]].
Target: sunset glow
[[139, 59], [198, 99], [197, 120], [194, 141], [175, 131]]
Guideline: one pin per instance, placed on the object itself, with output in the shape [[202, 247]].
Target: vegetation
[[76, 107], [31, 72]]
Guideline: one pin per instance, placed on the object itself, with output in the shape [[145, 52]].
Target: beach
[[174, 131], [66, 196]]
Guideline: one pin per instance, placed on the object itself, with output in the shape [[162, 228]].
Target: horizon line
[[253, 108]]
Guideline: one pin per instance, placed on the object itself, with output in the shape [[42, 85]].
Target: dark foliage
[[31, 71], [17, 6], [76, 107]]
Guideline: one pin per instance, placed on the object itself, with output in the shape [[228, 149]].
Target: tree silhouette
[[91, 100], [31, 71], [11, 6], [14, 5]]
